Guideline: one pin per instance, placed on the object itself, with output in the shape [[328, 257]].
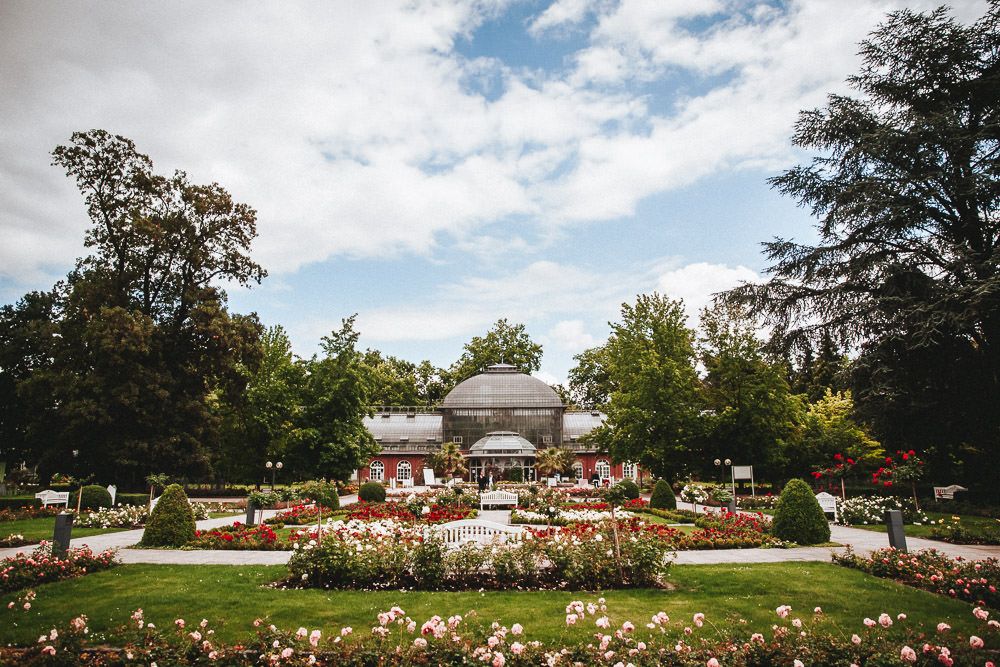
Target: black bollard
[[251, 514], [894, 526], [62, 534]]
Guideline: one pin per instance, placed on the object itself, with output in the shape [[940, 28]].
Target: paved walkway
[[863, 542]]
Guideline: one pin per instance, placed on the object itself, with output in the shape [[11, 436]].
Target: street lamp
[[274, 468], [728, 463]]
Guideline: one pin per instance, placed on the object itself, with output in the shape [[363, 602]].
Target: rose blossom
[[907, 654], [975, 642]]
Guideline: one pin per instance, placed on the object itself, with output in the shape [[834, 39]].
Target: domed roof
[[502, 386], [501, 443]]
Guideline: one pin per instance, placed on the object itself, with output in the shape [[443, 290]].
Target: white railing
[[477, 531]]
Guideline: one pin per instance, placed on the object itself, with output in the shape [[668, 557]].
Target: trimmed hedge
[[17, 502], [629, 488], [94, 498], [372, 492], [663, 496], [798, 516], [172, 522], [138, 499]]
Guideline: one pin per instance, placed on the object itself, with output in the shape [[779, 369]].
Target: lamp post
[[728, 463], [79, 492], [274, 468]]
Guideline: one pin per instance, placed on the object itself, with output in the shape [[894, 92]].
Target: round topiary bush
[[172, 522], [372, 492], [798, 516], [322, 493], [629, 488], [94, 498], [663, 496]]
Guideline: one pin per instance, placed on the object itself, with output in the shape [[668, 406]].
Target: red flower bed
[[21, 513], [296, 515], [440, 514], [364, 511], [238, 537], [973, 581], [40, 566]]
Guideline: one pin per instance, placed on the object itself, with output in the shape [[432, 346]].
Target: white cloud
[[696, 283], [357, 129], [571, 335]]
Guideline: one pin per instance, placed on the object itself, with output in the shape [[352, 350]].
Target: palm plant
[[553, 460], [448, 461]]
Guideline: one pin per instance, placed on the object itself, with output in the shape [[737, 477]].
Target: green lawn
[[36, 530], [969, 521], [231, 597]]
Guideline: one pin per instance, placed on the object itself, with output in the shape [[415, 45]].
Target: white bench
[[497, 498], [50, 497], [947, 492], [827, 502], [456, 533]]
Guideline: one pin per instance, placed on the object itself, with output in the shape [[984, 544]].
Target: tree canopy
[[503, 343], [905, 268]]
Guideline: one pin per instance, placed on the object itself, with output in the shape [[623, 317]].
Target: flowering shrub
[[123, 516], [238, 537], [954, 531], [561, 516], [40, 566], [765, 502], [870, 510], [13, 540], [396, 639], [391, 555], [296, 515], [21, 513], [694, 493], [408, 512], [973, 581]]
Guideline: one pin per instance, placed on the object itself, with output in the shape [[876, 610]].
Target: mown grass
[[975, 523], [231, 597], [36, 530]]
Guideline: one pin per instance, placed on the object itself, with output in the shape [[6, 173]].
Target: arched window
[[629, 470], [603, 469], [404, 471], [376, 471], [578, 470]]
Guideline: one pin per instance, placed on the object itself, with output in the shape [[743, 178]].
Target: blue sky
[[436, 166]]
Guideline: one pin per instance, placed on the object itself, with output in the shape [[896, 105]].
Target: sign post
[[743, 473]]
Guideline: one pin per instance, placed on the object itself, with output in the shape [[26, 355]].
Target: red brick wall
[[390, 461]]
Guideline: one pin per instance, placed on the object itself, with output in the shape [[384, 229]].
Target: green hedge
[[17, 502], [372, 492], [663, 496], [94, 497], [798, 516], [172, 522], [138, 499]]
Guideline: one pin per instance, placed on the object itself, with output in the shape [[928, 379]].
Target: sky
[[433, 166]]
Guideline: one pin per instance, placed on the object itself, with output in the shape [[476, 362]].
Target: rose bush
[[870, 510], [396, 638], [40, 566]]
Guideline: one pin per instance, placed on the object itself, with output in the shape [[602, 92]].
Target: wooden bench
[[50, 497], [497, 498], [477, 531], [827, 503]]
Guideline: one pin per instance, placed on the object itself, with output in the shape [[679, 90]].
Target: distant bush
[[629, 488], [663, 496], [798, 516], [372, 492], [94, 498], [172, 522], [322, 493]]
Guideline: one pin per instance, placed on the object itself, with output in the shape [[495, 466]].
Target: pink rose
[[907, 654], [975, 642]]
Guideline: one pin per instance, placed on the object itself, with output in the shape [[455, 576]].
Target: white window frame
[[630, 470], [376, 471], [602, 468], [578, 469], [404, 471]]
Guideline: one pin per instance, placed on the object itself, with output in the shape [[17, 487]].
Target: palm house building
[[499, 419]]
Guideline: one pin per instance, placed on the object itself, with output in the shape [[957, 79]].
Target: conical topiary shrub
[[172, 522], [663, 496], [798, 517]]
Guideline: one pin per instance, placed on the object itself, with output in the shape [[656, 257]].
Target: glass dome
[[501, 443], [502, 386]]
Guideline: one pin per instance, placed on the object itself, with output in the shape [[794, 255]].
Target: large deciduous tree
[[654, 407], [504, 343], [331, 440], [140, 335], [905, 269], [753, 418]]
